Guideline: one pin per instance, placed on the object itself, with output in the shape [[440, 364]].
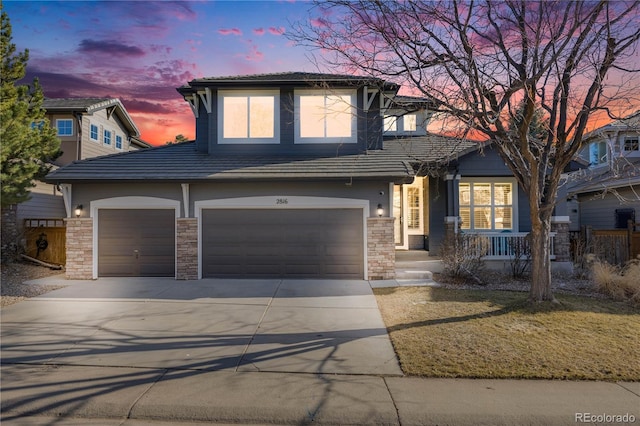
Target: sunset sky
[[140, 51]]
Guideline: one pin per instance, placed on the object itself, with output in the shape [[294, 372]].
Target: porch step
[[413, 274]]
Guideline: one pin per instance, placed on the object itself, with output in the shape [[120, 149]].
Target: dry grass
[[441, 332], [619, 283]]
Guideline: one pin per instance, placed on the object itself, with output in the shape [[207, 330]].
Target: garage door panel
[[136, 242], [283, 243]]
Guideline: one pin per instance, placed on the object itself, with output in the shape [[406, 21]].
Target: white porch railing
[[503, 245]]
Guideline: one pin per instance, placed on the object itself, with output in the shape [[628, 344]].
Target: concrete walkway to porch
[[413, 268]]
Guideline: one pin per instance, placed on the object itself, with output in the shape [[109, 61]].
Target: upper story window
[[248, 117], [410, 122], [631, 144], [390, 124], [65, 127], [487, 206], [325, 117], [118, 142], [93, 132], [598, 153], [107, 137]]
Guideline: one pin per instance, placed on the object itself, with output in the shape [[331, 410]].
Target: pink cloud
[[319, 22], [230, 31], [276, 31], [258, 31], [254, 54]]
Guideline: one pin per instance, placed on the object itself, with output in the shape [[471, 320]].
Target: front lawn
[[440, 332]]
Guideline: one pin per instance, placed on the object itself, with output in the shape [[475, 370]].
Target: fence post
[[630, 227]]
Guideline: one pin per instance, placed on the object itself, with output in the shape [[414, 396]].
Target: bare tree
[[484, 62]]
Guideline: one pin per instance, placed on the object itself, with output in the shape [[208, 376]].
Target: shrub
[[619, 283], [462, 255]]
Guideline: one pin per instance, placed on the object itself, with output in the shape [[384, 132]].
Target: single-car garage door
[[136, 242], [295, 243]]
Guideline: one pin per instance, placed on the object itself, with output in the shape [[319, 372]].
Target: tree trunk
[[540, 262]]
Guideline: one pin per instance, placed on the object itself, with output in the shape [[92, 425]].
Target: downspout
[[78, 118]]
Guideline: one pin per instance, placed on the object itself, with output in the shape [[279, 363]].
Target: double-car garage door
[[236, 243]]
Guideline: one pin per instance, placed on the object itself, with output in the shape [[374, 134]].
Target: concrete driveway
[[300, 326]]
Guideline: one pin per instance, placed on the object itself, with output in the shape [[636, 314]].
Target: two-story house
[[87, 127], [290, 175], [606, 194]]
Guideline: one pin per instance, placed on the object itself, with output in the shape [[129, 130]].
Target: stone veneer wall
[[187, 249], [79, 264], [381, 250]]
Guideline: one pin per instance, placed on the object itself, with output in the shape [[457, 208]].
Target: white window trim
[[97, 138], [326, 140], [277, 202], [248, 140], [104, 137], [405, 119], [58, 120], [624, 142], [392, 125], [514, 206], [115, 143], [418, 183], [129, 203]]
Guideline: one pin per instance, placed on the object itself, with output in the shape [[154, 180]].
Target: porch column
[[561, 243], [79, 234], [187, 249], [453, 195], [381, 250]]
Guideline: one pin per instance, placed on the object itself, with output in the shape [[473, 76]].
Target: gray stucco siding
[[368, 131], [598, 210], [362, 190]]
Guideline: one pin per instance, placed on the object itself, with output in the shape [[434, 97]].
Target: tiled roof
[[77, 104], [622, 173], [91, 105], [305, 78], [182, 163]]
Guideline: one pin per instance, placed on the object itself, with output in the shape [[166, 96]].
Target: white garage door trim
[[128, 203], [283, 202]]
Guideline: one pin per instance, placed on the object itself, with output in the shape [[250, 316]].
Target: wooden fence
[[614, 246], [46, 240]]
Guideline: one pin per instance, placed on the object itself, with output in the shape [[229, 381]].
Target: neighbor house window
[[325, 117], [93, 132], [249, 117], [118, 142], [65, 127], [598, 153], [391, 124], [107, 137], [631, 144], [487, 206], [409, 123]]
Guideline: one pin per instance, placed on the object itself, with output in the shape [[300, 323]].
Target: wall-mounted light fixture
[[380, 210], [78, 210]]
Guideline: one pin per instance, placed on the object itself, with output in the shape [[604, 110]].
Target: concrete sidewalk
[[43, 395]]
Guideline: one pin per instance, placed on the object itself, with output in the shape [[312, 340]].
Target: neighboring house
[[289, 176], [87, 127], [606, 194]]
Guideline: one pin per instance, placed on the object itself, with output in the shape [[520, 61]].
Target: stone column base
[[79, 243], [381, 250]]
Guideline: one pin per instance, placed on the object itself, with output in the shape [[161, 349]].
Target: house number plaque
[[282, 201]]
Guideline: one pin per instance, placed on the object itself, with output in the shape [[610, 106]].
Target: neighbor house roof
[[628, 123], [182, 163], [92, 105], [288, 78], [624, 172]]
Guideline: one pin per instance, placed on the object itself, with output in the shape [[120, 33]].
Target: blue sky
[[140, 51]]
